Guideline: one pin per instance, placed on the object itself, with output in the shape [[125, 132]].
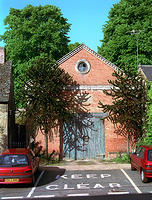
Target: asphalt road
[[55, 182]]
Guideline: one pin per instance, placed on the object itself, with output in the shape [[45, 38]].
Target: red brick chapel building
[[91, 71]]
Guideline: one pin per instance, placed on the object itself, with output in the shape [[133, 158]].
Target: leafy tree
[[147, 136], [73, 46], [119, 45], [31, 32], [127, 110], [149, 112], [44, 95], [50, 102]]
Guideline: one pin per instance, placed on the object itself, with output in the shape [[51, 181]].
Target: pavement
[[90, 165]]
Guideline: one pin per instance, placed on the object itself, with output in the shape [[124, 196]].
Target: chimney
[[2, 55]]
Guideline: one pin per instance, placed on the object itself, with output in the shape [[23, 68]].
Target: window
[[149, 155], [138, 151], [141, 153], [13, 160], [82, 66]]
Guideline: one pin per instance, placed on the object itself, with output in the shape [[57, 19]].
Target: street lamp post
[[133, 32]]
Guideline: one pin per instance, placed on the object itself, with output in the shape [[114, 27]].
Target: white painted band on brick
[[90, 87], [131, 181]]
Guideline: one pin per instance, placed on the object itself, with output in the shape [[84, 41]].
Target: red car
[[141, 160], [18, 166]]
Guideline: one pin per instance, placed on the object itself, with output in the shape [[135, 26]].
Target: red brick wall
[[99, 74], [53, 140], [113, 142]]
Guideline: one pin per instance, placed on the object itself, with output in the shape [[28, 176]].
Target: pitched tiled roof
[[5, 81], [83, 46], [147, 71]]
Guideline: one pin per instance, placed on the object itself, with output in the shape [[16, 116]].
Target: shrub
[[122, 158]]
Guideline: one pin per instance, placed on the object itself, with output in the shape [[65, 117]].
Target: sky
[[86, 17]]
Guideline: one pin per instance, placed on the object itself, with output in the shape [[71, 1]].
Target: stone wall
[[2, 55], [3, 126]]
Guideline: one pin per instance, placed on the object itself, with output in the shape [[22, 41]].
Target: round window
[[83, 66]]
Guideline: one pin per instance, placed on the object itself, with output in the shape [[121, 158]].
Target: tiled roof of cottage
[[147, 71], [5, 81], [83, 46]]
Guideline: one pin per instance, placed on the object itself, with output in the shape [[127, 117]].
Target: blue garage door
[[88, 142]]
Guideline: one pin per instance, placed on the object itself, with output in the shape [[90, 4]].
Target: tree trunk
[[127, 142], [61, 141], [46, 144], [75, 138]]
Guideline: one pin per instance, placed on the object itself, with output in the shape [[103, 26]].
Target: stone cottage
[[7, 118], [98, 139]]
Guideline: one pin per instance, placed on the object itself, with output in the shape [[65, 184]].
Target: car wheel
[[143, 178]]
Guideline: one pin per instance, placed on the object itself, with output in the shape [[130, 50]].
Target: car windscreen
[[149, 155], [15, 160]]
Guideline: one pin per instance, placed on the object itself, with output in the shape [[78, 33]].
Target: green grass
[[55, 161], [120, 158], [124, 158]]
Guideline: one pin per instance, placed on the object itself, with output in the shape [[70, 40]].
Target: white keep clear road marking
[[11, 197], [78, 195], [44, 196], [36, 183], [131, 181], [118, 192]]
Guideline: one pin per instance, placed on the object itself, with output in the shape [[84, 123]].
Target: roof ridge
[[101, 57], [71, 53], [83, 46]]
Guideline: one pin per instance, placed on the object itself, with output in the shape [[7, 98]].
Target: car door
[[139, 157], [134, 157]]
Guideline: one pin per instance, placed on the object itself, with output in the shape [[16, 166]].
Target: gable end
[[83, 46]]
